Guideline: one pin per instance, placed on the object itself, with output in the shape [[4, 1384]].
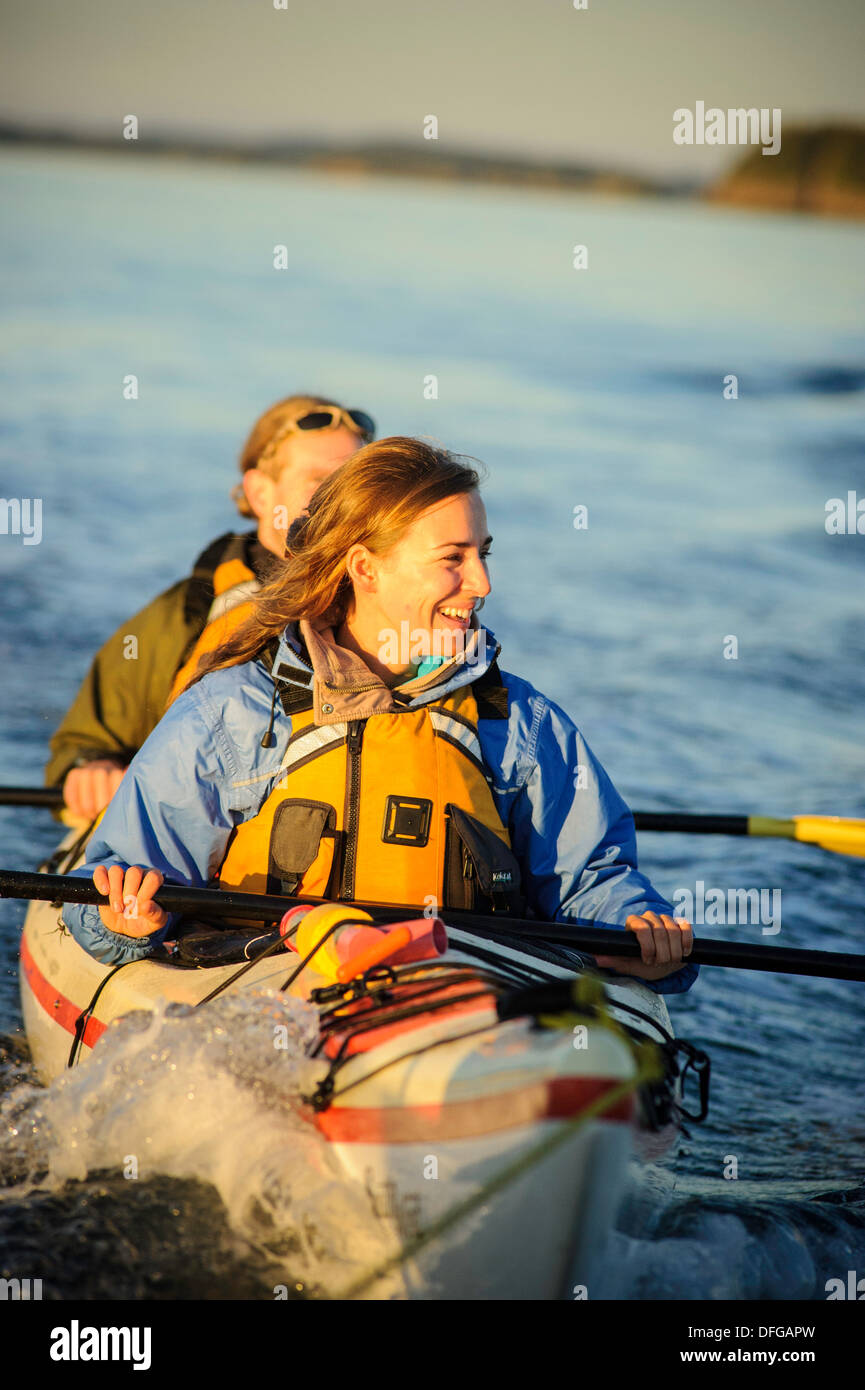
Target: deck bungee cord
[[417, 986], [385, 1010], [87, 1013], [578, 1001]]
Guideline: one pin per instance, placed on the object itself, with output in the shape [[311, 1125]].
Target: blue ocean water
[[601, 388]]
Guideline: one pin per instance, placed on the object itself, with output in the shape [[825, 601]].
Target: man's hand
[[131, 910], [664, 944], [88, 790]]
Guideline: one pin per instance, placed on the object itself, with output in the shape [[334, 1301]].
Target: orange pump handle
[[391, 942]]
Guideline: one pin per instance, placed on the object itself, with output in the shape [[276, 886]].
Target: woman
[[355, 739]]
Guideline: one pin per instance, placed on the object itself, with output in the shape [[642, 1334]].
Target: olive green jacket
[[124, 693]]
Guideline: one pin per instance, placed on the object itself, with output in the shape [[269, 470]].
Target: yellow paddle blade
[[835, 833], [838, 834]]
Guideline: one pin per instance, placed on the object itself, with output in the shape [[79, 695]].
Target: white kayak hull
[[419, 1134]]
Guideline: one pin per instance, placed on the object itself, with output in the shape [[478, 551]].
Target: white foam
[[208, 1094]]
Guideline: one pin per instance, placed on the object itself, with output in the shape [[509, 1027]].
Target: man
[[292, 447]]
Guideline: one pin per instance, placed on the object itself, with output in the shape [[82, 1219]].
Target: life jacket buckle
[[407, 821]]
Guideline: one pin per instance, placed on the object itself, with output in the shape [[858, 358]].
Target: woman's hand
[[664, 944], [131, 910]]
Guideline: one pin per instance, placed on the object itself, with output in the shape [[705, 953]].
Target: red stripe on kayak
[[562, 1098], [365, 1042], [59, 1009]]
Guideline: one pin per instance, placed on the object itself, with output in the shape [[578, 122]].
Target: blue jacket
[[203, 771]]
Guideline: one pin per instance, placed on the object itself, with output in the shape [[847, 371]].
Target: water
[[706, 520]]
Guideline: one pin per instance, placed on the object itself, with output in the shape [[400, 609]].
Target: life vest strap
[[294, 687], [491, 694], [200, 591]]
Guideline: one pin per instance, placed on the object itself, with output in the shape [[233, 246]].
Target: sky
[[536, 78]]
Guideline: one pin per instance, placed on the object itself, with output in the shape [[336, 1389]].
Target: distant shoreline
[[822, 174], [393, 160]]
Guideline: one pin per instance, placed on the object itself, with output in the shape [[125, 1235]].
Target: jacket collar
[[344, 688]]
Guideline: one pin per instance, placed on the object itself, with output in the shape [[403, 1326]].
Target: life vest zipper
[[352, 689], [351, 818]]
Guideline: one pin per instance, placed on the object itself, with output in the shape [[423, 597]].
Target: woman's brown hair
[[371, 500]]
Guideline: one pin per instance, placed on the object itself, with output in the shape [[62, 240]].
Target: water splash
[[214, 1096]]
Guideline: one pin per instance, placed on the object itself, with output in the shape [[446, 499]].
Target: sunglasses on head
[[331, 417], [324, 418]]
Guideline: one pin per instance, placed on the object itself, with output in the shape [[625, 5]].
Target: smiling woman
[[397, 536], [308, 758]]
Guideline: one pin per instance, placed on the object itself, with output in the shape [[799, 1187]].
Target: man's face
[[303, 460]]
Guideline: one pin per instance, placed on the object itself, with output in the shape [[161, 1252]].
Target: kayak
[[496, 1087]]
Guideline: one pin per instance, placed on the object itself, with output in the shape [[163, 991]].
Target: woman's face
[[427, 585]]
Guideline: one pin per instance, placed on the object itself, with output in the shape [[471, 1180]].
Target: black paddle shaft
[[52, 799], [687, 824], [594, 938]]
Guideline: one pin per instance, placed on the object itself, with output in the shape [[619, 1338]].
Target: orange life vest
[[396, 808], [234, 583]]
